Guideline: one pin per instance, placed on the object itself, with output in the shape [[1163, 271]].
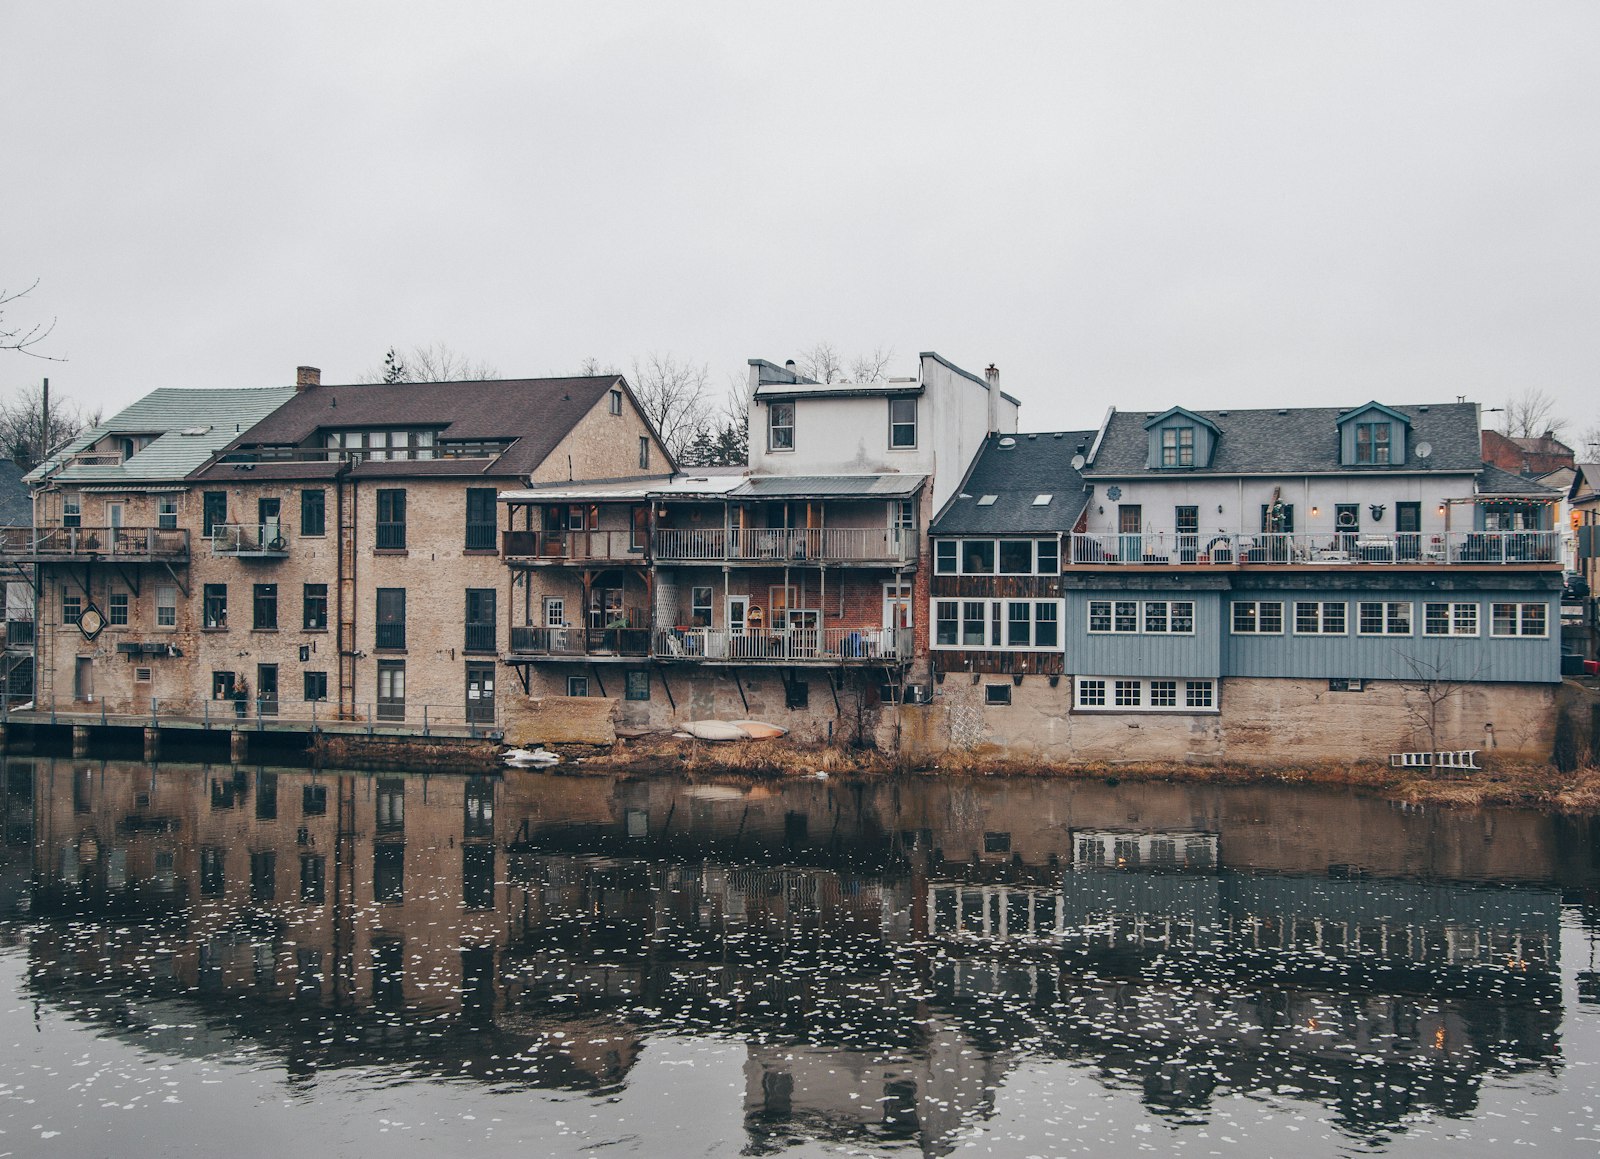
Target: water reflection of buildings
[[887, 952]]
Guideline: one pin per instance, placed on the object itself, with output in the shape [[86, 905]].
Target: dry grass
[[1508, 783]]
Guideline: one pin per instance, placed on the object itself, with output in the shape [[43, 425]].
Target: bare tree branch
[[435, 362], [1531, 414], [1429, 688], [673, 396], [20, 418], [872, 367], [821, 363], [23, 338], [592, 367]]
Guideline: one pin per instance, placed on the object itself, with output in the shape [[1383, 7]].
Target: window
[[1449, 619], [1134, 695], [71, 606], [314, 607], [1372, 442], [637, 684], [1019, 624], [265, 607], [72, 511], [977, 557], [997, 843], [1519, 620], [1257, 617], [700, 607], [1319, 618], [997, 694], [944, 557], [1174, 617], [555, 612], [477, 876], [313, 512], [167, 513], [213, 510], [389, 885], [1177, 447], [1049, 557], [314, 800], [391, 520], [615, 402], [480, 518], [263, 876], [644, 452], [974, 617], [391, 689], [902, 422], [1046, 629], [212, 877], [997, 623], [780, 426], [946, 623], [166, 605], [480, 620], [1125, 616], [1016, 556], [577, 686], [316, 685], [214, 606], [903, 514], [391, 618], [1383, 619], [118, 609]]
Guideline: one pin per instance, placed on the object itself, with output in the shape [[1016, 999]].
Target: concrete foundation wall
[[1260, 722]]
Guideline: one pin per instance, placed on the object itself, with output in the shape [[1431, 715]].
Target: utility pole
[[44, 422]]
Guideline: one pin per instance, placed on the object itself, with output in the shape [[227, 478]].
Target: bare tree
[[22, 415], [673, 396], [872, 367], [821, 363], [23, 337], [1531, 414], [592, 367], [435, 362], [1430, 687], [1588, 448]]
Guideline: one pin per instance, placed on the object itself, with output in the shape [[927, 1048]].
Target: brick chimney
[[305, 376], [992, 376]]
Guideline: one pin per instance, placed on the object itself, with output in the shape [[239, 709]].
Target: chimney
[[789, 366], [992, 375], [305, 376]]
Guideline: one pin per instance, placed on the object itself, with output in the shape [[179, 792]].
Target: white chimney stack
[[992, 375]]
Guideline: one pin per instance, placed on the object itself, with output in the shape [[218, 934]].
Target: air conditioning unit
[[919, 694]]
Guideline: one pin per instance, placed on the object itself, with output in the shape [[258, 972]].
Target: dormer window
[[1177, 446], [1372, 442]]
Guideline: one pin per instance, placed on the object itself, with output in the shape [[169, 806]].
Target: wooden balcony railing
[[533, 641], [573, 546]]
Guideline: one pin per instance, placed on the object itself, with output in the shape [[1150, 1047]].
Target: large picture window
[[1383, 619], [1129, 694], [1000, 624]]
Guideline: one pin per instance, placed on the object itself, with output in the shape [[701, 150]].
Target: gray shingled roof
[[1295, 440], [217, 417], [1494, 481], [1034, 465], [536, 413]]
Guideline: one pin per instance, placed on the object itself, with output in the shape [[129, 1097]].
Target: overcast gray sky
[[1201, 203]]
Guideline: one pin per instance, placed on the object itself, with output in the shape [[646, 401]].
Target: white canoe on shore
[[733, 729], [529, 758]]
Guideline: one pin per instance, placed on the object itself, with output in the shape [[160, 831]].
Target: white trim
[[1139, 693]]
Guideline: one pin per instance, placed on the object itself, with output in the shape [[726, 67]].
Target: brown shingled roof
[[535, 412]]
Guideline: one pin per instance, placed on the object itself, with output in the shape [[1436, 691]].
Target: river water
[[203, 960]]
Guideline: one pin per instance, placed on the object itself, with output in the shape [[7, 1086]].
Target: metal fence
[[1467, 548]]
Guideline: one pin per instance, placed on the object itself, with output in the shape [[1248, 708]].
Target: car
[[1574, 589]]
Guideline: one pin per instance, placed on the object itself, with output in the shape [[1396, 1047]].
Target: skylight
[[1042, 500], [987, 500]]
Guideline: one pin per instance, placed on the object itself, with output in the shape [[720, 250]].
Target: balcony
[[19, 633], [78, 544], [250, 541], [532, 642], [786, 646], [1317, 549], [571, 547], [866, 545]]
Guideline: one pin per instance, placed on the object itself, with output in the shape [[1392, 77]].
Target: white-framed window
[[902, 423], [997, 694], [167, 513], [1010, 625], [1169, 617], [1177, 447], [1257, 617], [1519, 620], [1132, 694], [616, 402], [1388, 618], [780, 426], [577, 686], [1449, 619], [166, 606], [1320, 618], [903, 517], [1157, 617], [71, 511], [555, 611]]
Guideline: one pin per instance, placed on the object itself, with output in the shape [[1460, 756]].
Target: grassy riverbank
[[1501, 783]]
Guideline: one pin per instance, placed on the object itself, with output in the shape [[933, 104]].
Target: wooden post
[[238, 746], [80, 740], [152, 743]]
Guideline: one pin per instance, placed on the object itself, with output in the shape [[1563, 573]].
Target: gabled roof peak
[[1182, 412], [1355, 411]]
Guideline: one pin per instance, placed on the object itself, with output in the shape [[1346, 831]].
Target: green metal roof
[[212, 418]]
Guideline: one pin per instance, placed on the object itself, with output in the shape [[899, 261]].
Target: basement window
[[997, 694]]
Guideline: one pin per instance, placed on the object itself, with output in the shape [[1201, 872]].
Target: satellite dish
[[1077, 462], [1424, 450]]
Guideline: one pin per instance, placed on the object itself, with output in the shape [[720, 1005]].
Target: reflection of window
[[391, 806], [479, 821], [263, 876], [780, 426], [211, 871], [477, 876], [997, 843], [314, 800], [389, 872], [388, 974], [313, 878]]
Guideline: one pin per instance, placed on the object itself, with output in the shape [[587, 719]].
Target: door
[[1186, 522], [1408, 530], [1347, 518], [480, 693], [268, 516], [804, 632], [267, 689], [83, 678], [114, 516], [738, 620], [1130, 544]]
